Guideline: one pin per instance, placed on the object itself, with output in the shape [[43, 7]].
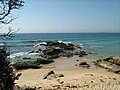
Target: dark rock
[[31, 52], [39, 50], [51, 75], [26, 58], [24, 87], [61, 45], [77, 53], [43, 61], [80, 53], [36, 51], [66, 54], [52, 43], [78, 46], [47, 74], [26, 65], [83, 52], [55, 49], [59, 75], [84, 65], [70, 44], [107, 59], [68, 47], [43, 56], [54, 76], [53, 56], [28, 87], [51, 51]]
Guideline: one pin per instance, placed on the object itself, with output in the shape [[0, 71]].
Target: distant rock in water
[[111, 64]]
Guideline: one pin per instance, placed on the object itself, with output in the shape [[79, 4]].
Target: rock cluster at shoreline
[[46, 53], [111, 64], [54, 50]]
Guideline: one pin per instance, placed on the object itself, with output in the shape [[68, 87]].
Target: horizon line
[[64, 32]]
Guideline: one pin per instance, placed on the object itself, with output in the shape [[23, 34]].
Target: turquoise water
[[100, 44]]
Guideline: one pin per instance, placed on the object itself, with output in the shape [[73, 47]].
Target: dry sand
[[75, 78]]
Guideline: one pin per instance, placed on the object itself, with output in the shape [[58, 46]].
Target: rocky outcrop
[[26, 65], [111, 64], [61, 45], [52, 51], [51, 75], [84, 65], [56, 49], [43, 61], [66, 54], [45, 53]]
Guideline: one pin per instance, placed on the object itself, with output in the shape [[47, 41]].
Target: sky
[[67, 16]]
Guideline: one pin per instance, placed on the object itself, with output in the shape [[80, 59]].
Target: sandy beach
[[75, 77], [60, 45]]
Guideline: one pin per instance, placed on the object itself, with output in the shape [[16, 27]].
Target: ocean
[[98, 44]]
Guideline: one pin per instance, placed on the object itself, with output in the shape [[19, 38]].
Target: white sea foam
[[33, 54], [40, 44], [17, 54], [66, 42], [81, 44], [1, 44]]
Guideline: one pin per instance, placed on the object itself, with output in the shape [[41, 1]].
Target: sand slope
[[75, 78]]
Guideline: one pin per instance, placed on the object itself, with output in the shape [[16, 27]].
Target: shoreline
[[59, 65], [75, 77]]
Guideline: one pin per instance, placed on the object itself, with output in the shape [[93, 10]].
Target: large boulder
[[47, 74], [26, 65], [84, 65]]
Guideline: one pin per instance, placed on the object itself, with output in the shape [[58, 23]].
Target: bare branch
[[6, 7], [9, 34]]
